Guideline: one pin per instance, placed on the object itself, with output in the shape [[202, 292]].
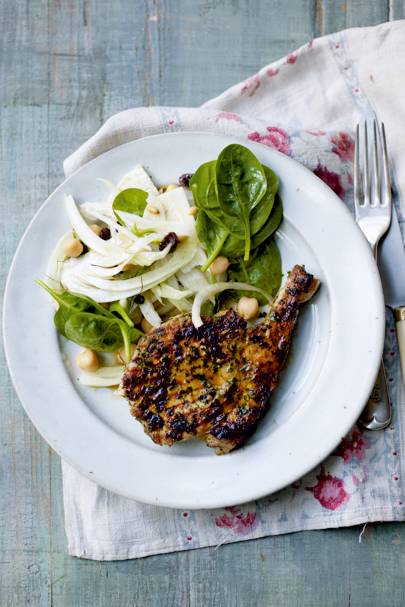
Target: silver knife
[[392, 271], [391, 264]]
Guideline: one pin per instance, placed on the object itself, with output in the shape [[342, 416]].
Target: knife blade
[[391, 264]]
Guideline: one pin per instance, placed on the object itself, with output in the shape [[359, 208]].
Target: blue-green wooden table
[[65, 66]]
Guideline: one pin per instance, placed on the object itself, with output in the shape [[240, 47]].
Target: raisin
[[184, 180], [170, 239], [105, 233]]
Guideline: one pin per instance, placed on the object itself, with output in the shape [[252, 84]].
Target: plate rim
[[170, 502]]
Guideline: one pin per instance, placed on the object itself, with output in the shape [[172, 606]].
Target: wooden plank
[[163, 579], [396, 9], [24, 456], [97, 67], [209, 46], [314, 568], [335, 15]]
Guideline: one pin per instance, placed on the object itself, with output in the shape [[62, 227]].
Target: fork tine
[[387, 181], [377, 179], [356, 168], [366, 176]]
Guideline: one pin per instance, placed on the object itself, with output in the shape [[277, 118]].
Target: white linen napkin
[[304, 105]]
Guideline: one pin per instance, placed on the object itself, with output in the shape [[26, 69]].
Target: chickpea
[[88, 360], [95, 228], [73, 247], [219, 265], [248, 307], [146, 326], [120, 356], [171, 186], [193, 211]]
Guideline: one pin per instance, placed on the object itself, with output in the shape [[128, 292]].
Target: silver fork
[[372, 202]]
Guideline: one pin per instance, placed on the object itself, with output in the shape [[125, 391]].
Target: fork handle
[[377, 413], [400, 318]]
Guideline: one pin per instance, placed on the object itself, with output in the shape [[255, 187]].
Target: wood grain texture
[[65, 66], [396, 9], [333, 15]]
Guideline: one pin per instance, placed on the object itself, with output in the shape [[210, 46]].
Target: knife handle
[[400, 318]]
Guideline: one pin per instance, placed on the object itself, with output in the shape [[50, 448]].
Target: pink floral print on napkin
[[274, 138], [228, 116], [250, 86], [329, 491], [316, 133], [331, 179], [343, 146], [241, 523], [292, 57], [353, 446]]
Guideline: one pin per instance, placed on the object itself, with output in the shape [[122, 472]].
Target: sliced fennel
[[105, 377], [149, 312], [182, 305], [214, 289], [137, 178], [77, 277], [85, 233], [56, 260], [169, 292], [194, 280]]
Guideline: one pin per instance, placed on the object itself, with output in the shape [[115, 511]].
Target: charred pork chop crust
[[214, 382]]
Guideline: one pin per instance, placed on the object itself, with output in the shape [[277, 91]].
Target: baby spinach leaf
[[60, 318], [131, 200], [241, 184], [79, 303], [118, 309], [94, 331], [212, 236], [70, 303], [88, 324], [263, 270], [233, 247], [203, 187], [271, 224], [134, 334], [100, 333], [262, 211]]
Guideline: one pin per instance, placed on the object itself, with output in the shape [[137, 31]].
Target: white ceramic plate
[[335, 355]]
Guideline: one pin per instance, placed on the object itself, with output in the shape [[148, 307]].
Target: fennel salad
[[145, 254]]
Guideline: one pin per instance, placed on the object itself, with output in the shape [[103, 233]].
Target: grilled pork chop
[[214, 382]]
